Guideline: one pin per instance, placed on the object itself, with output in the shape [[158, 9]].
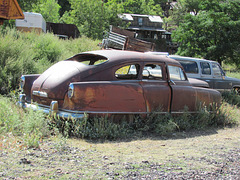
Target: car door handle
[[172, 82]]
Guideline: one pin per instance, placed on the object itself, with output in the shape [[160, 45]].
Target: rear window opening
[[89, 59]]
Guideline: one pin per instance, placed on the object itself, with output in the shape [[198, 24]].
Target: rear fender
[[106, 97], [206, 96], [28, 82]]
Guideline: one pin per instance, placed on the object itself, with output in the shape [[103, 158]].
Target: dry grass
[[75, 158]]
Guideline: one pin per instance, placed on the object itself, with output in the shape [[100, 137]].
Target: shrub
[[31, 53], [156, 123], [232, 97], [92, 128]]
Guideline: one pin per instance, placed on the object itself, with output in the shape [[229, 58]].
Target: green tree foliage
[[94, 17], [49, 10], [89, 16], [212, 33], [27, 5]]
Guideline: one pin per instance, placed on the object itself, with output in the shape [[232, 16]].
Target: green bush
[[92, 128], [31, 53], [232, 97]]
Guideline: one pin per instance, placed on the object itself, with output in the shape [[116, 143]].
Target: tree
[[27, 5], [89, 16], [212, 33], [49, 10]]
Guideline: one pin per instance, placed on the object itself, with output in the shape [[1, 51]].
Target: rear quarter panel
[[207, 97], [106, 96]]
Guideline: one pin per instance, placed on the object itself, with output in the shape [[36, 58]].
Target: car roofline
[[190, 58], [113, 55]]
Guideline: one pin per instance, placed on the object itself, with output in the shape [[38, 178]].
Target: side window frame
[[127, 75], [192, 64], [220, 69], [182, 75], [203, 69], [151, 75]]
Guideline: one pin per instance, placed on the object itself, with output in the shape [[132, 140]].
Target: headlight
[[22, 82], [70, 90]]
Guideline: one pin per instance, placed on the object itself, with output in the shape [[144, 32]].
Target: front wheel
[[237, 90]]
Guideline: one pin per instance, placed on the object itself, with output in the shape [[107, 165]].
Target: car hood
[[232, 79], [54, 82], [198, 83]]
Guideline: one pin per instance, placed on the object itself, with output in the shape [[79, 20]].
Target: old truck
[[125, 40]]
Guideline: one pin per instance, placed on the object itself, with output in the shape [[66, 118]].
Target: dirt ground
[[209, 154]]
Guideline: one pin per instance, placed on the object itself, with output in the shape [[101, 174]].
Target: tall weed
[[156, 123], [10, 117], [31, 126]]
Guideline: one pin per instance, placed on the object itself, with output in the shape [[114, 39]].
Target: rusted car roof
[[126, 56]]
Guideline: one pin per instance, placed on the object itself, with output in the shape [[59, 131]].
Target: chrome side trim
[[61, 114], [40, 93]]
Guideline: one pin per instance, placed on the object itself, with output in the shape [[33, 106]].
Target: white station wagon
[[209, 71]]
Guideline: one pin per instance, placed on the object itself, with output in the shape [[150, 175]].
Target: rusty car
[[114, 82]]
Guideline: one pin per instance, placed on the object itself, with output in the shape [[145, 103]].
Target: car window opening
[[176, 73], [93, 62], [189, 66], [206, 70], [152, 71], [216, 70], [128, 72], [89, 59]]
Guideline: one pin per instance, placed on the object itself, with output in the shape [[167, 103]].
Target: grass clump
[[155, 123], [92, 128], [232, 97], [28, 125]]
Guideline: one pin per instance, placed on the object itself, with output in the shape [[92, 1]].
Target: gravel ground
[[60, 160], [230, 169]]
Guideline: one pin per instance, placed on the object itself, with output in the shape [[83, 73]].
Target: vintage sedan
[[114, 82]]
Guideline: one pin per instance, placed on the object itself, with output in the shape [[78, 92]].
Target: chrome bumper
[[52, 110]]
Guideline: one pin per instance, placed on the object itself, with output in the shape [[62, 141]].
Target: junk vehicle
[[115, 82], [124, 40], [209, 71]]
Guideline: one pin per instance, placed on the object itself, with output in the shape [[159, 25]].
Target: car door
[[157, 92], [219, 81], [183, 95], [206, 73]]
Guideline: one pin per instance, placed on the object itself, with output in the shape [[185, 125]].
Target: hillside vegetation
[[29, 53]]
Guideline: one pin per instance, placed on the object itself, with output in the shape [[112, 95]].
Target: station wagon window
[[189, 66], [205, 68], [152, 71], [176, 73], [128, 72], [216, 69]]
